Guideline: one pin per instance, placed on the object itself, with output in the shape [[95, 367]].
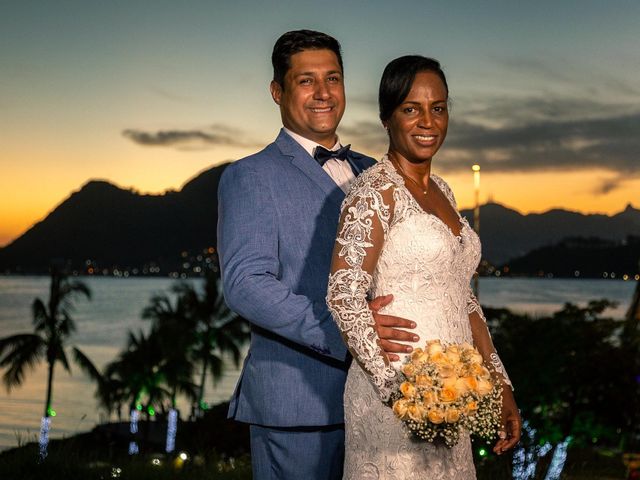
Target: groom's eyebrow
[[312, 73]]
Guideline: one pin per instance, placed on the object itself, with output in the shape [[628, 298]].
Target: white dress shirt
[[339, 170]]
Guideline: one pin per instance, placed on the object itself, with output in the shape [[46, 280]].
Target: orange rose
[[466, 347], [448, 395], [461, 386], [449, 382], [472, 407], [452, 415], [407, 389], [409, 370], [475, 357], [446, 371], [400, 408], [484, 373], [434, 346], [453, 354], [439, 358], [484, 387], [429, 397], [436, 416], [416, 412], [423, 380], [472, 383], [419, 356]]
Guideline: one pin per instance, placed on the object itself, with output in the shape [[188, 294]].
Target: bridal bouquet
[[447, 389]]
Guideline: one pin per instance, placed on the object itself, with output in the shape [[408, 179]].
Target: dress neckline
[[432, 176]]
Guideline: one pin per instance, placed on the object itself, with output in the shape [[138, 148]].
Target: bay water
[[103, 324]]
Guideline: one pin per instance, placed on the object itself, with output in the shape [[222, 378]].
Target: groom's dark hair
[[296, 41]]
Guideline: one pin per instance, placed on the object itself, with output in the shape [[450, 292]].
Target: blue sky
[[546, 95]]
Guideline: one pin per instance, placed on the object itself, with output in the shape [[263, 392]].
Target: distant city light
[[183, 456]]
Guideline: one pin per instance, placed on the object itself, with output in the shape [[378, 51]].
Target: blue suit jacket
[[278, 215]]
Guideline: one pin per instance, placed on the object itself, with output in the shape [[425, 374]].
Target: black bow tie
[[321, 154]]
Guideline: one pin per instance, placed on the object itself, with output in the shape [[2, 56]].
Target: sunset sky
[[146, 94]]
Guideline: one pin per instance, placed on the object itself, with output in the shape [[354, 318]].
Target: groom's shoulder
[[257, 162]]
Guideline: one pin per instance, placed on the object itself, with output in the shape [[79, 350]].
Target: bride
[[400, 233]]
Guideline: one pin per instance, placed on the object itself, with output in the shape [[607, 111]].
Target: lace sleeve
[[364, 223], [446, 189], [473, 306]]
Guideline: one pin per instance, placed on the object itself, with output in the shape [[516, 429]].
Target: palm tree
[[135, 375], [173, 330], [53, 327], [218, 330]]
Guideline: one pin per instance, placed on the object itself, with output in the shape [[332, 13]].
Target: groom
[[278, 215]]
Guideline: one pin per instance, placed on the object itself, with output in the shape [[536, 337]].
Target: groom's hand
[[388, 329]]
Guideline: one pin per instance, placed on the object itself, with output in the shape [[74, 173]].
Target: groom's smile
[[312, 98]]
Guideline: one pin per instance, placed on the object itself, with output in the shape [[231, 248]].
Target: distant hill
[[581, 257], [112, 226], [507, 234]]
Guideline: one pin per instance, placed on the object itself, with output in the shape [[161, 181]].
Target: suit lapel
[[301, 159]]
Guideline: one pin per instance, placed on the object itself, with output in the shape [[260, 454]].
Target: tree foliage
[[53, 326], [575, 372]]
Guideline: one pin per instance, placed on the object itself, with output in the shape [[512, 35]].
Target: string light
[[172, 428], [133, 425], [558, 460], [525, 461], [43, 440], [133, 428], [133, 448]]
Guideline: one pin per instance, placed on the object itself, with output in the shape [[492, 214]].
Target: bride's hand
[[388, 329], [511, 421]]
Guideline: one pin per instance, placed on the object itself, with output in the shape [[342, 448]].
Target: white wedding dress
[[428, 269]]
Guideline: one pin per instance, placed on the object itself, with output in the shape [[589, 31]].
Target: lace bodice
[[388, 244]]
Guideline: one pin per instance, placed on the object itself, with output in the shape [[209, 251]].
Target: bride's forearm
[[484, 344]]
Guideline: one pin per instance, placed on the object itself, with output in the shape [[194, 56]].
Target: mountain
[[507, 234], [105, 225], [581, 257]]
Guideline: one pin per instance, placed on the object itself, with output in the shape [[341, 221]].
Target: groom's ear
[[276, 91]]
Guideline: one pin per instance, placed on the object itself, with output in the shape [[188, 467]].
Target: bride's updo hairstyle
[[398, 77]]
